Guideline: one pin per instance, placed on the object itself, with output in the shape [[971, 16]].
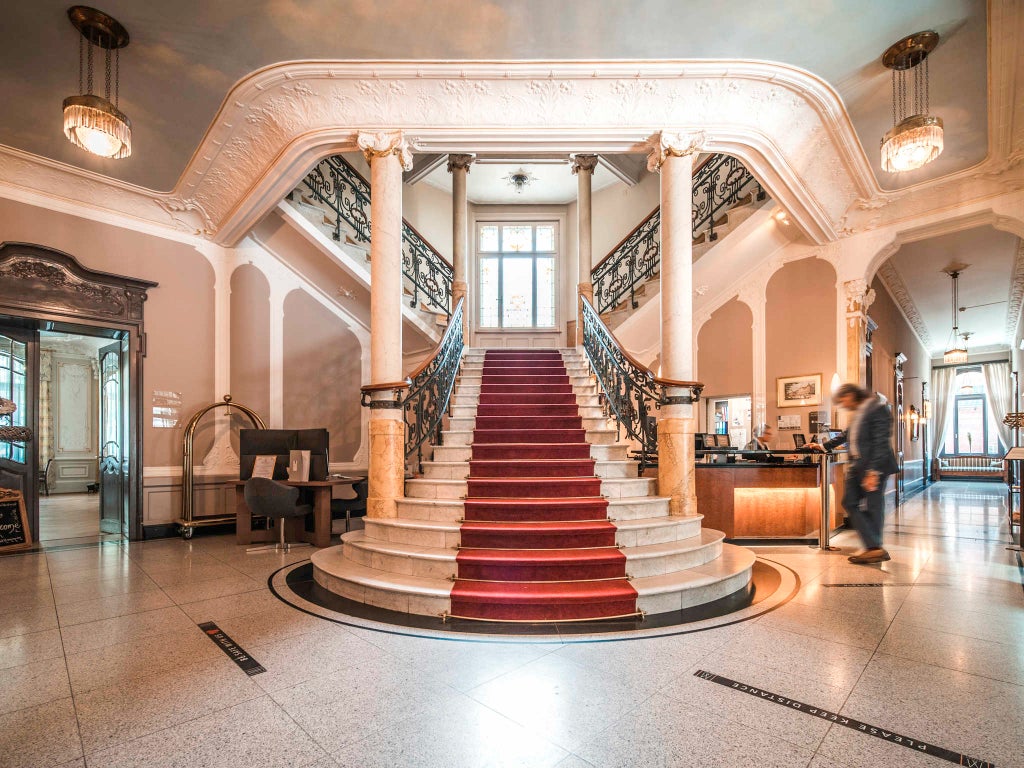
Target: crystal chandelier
[[957, 352], [93, 122], [914, 140]]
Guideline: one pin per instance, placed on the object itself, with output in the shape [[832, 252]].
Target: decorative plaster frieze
[[859, 295], [894, 284], [1016, 299]]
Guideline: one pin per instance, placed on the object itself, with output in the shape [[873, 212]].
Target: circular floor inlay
[[771, 585]]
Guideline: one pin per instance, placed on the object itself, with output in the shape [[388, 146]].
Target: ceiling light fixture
[[93, 122], [520, 179], [915, 140], [956, 353]]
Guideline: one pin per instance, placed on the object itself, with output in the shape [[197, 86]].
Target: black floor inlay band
[[247, 663], [847, 722], [891, 584]]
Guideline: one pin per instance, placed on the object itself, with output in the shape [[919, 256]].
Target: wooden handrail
[[646, 218], [426, 361], [637, 363]]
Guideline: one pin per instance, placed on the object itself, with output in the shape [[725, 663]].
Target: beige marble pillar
[[672, 156], [458, 167], [388, 154], [859, 296], [583, 167]]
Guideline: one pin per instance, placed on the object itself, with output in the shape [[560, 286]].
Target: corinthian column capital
[[583, 163], [664, 145], [384, 143], [460, 161]]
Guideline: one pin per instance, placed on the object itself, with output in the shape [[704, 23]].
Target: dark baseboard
[[163, 531]]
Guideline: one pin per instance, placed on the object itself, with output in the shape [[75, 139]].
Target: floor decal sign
[[247, 663], [847, 722]]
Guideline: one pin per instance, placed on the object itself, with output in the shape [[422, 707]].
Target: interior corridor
[[104, 665]]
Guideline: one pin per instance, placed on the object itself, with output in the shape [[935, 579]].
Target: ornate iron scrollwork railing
[[425, 395], [632, 393], [720, 182], [340, 187]]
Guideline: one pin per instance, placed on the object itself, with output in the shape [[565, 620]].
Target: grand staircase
[[530, 511]]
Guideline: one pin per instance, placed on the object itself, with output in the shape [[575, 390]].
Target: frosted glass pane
[[489, 238], [546, 238], [489, 291], [545, 292], [517, 285], [517, 238]]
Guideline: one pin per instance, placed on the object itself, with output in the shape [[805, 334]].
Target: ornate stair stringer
[[412, 563]]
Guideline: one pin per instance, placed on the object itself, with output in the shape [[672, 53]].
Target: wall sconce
[[914, 418]]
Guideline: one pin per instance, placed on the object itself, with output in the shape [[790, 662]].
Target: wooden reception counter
[[749, 500]]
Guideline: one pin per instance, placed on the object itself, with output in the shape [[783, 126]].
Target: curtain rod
[[972, 365]]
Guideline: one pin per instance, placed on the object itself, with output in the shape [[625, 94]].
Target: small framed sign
[[263, 466], [14, 531]]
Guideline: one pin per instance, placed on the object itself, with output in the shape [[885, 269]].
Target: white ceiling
[[184, 58], [988, 280], [487, 183]]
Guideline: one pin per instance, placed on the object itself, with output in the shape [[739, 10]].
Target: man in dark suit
[[871, 462]]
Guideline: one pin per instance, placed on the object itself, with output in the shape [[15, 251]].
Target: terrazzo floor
[[102, 664]]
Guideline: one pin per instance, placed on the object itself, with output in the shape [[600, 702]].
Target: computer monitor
[[799, 441], [722, 441], [279, 443]]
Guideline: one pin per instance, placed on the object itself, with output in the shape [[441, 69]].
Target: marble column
[[388, 154], [672, 156], [583, 167], [859, 296], [458, 167]]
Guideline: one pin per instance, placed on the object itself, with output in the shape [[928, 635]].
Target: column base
[[675, 465]]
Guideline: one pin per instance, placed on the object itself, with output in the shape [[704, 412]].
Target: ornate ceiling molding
[[1015, 302], [893, 282]]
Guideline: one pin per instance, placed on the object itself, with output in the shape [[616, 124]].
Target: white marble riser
[[695, 586], [476, 381], [459, 470], [623, 511], [463, 389], [464, 424], [440, 562], [617, 452], [611, 488], [395, 592], [455, 437], [476, 370]]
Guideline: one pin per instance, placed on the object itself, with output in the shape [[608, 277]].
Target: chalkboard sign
[[14, 532]]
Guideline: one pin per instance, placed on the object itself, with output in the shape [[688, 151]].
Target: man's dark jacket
[[873, 445]]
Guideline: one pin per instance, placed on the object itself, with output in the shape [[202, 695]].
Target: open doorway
[[729, 415], [81, 418]]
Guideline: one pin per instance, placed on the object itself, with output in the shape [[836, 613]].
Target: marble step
[[455, 437], [718, 578], [464, 424], [470, 411], [440, 562], [472, 399], [463, 388], [614, 452], [472, 379], [623, 511], [459, 470], [334, 570], [611, 488]]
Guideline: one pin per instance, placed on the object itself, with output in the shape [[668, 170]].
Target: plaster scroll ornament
[[583, 163], [460, 161], [384, 143], [858, 295], [195, 220], [665, 145]]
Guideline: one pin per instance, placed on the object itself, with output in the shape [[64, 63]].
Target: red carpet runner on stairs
[[537, 544]]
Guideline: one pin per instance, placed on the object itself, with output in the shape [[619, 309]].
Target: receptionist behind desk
[[763, 435]]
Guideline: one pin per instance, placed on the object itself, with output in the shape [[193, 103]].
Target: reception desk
[[748, 500]]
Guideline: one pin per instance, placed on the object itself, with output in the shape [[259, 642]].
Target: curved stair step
[[714, 580], [568, 601]]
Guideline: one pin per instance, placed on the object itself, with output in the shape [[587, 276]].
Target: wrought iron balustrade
[[718, 183], [425, 395], [632, 393], [343, 190]]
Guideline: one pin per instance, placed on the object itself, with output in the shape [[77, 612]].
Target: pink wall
[[725, 351], [800, 335], [250, 339]]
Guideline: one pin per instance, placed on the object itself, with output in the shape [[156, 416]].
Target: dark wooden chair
[[44, 477], [269, 498], [355, 506]]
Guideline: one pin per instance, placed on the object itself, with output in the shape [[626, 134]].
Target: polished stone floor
[[102, 664]]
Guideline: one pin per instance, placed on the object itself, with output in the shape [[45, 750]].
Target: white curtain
[[943, 380], [997, 393]]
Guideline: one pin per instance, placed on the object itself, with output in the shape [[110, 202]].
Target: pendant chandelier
[[914, 140], [94, 122], [957, 351], [520, 180]]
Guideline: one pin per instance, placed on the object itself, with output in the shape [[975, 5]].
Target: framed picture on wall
[[799, 390]]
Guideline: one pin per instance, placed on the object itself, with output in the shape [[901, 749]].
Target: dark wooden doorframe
[[47, 289]]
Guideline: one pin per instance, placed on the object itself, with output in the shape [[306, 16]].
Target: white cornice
[[897, 290]]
